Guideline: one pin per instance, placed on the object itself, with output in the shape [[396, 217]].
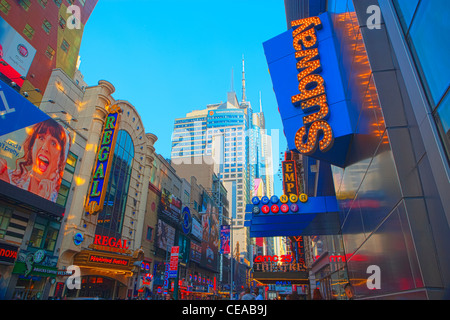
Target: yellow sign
[[293, 198], [102, 167], [303, 197], [284, 198]]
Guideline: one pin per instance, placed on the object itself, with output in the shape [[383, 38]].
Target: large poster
[[16, 54], [33, 146], [171, 205], [165, 235], [210, 226], [225, 239]]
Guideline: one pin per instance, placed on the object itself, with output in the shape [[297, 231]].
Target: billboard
[[171, 205], [16, 54], [165, 235], [33, 146], [225, 243], [210, 236]]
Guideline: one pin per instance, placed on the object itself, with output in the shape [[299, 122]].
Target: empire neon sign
[[312, 98], [102, 167]]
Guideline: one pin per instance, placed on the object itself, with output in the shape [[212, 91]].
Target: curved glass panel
[[110, 220]]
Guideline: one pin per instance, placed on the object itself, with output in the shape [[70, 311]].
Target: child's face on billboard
[[46, 154]]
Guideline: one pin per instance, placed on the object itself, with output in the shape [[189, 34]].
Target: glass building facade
[[110, 220], [393, 194], [430, 54]]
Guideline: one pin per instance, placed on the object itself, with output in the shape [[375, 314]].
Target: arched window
[[110, 220]]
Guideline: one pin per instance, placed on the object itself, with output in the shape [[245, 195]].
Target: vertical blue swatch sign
[[307, 82]]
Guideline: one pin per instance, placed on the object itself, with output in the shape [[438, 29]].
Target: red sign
[[282, 259], [173, 264], [109, 260], [110, 242], [8, 253]]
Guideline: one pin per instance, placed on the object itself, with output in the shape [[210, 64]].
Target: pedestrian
[[257, 294], [317, 295], [247, 295], [349, 291]]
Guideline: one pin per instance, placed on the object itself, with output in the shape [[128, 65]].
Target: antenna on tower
[[243, 79], [260, 103], [232, 85]]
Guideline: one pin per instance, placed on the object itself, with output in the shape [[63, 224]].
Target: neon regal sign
[[102, 167], [312, 89]]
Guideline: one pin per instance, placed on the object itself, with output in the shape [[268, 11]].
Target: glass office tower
[[233, 136]]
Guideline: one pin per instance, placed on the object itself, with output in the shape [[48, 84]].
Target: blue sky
[[168, 58]]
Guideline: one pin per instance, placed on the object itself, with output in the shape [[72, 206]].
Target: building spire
[[243, 79], [232, 80], [260, 103]]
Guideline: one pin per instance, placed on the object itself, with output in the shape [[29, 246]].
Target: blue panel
[[318, 216], [280, 55], [16, 112]]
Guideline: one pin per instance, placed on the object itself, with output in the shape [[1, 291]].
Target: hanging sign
[[102, 167]]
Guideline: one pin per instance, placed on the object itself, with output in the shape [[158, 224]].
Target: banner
[[225, 239], [33, 146]]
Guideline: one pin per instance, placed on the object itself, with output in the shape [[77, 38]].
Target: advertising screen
[[165, 236], [33, 146], [16, 54], [171, 205]]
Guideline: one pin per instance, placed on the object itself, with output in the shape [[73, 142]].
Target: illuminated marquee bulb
[[307, 38], [302, 24], [310, 146], [323, 112], [305, 85]]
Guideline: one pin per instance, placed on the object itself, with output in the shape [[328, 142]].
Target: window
[[443, 121], [427, 48], [43, 3], [149, 236], [4, 6], [83, 2], [71, 162], [28, 31], [65, 46], [110, 220], [46, 26], [62, 22], [5, 216], [50, 53], [25, 4], [63, 193], [57, 2], [44, 234]]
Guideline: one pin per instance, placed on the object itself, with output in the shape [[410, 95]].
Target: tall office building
[[231, 138]]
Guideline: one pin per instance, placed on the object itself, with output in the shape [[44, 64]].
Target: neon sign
[[275, 258], [312, 89], [110, 242], [102, 167], [290, 177]]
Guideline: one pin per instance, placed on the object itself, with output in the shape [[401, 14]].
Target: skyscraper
[[232, 138]]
